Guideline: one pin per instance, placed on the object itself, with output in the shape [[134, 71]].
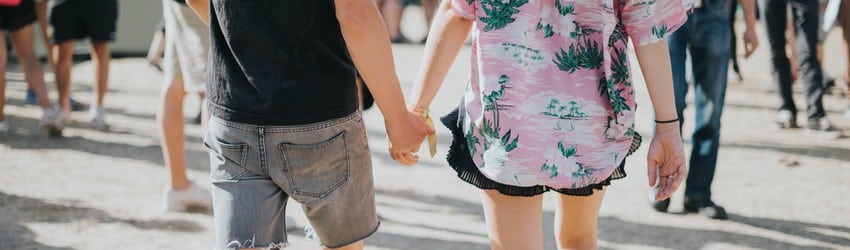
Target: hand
[[405, 135], [666, 160], [751, 42]]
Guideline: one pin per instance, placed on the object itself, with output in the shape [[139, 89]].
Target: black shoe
[[661, 206], [707, 209], [77, 106], [828, 82]]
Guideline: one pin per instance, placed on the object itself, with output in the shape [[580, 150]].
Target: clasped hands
[[406, 133]]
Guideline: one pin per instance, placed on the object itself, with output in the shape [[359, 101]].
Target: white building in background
[[137, 20]]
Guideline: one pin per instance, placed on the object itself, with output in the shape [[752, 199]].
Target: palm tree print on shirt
[[564, 112], [584, 54], [573, 111], [499, 13], [659, 31], [563, 10], [566, 151], [608, 88], [496, 145], [584, 173], [523, 54]]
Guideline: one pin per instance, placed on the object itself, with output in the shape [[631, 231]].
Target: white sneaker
[[53, 121], [182, 200], [4, 128], [97, 118]]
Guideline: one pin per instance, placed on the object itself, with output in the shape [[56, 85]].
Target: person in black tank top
[[286, 122]]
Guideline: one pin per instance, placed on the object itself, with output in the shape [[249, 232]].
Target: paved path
[[102, 190]]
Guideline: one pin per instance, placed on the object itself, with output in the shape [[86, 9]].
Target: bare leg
[[391, 10], [101, 57], [429, 6], [64, 53], [22, 43], [170, 121], [513, 222], [576, 220]]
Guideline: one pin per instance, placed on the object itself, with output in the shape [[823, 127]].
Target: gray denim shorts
[[325, 166]]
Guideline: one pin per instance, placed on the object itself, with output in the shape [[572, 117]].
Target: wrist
[[667, 127], [667, 121], [396, 114]]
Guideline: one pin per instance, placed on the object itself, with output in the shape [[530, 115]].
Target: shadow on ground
[[615, 230], [27, 134], [618, 231], [18, 211], [825, 152]]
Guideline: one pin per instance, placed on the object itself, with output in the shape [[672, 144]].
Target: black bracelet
[[670, 121]]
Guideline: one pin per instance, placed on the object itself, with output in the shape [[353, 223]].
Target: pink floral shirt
[[550, 98]]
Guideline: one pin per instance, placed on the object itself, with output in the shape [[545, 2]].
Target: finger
[[670, 187], [665, 191], [399, 157], [408, 158], [394, 155], [662, 189], [651, 171], [680, 177]]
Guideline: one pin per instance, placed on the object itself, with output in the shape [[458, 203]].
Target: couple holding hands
[[549, 105]]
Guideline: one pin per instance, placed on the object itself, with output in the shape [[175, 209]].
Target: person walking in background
[[185, 66], [705, 35], [806, 16], [551, 108], [78, 19], [391, 11], [286, 121], [18, 21]]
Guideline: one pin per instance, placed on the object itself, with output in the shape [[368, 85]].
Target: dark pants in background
[[805, 15], [706, 36]]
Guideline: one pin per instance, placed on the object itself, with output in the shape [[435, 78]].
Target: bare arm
[[201, 8], [369, 45], [751, 41], [654, 60], [666, 154], [448, 32]]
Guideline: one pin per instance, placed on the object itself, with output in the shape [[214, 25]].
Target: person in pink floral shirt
[[550, 106]]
